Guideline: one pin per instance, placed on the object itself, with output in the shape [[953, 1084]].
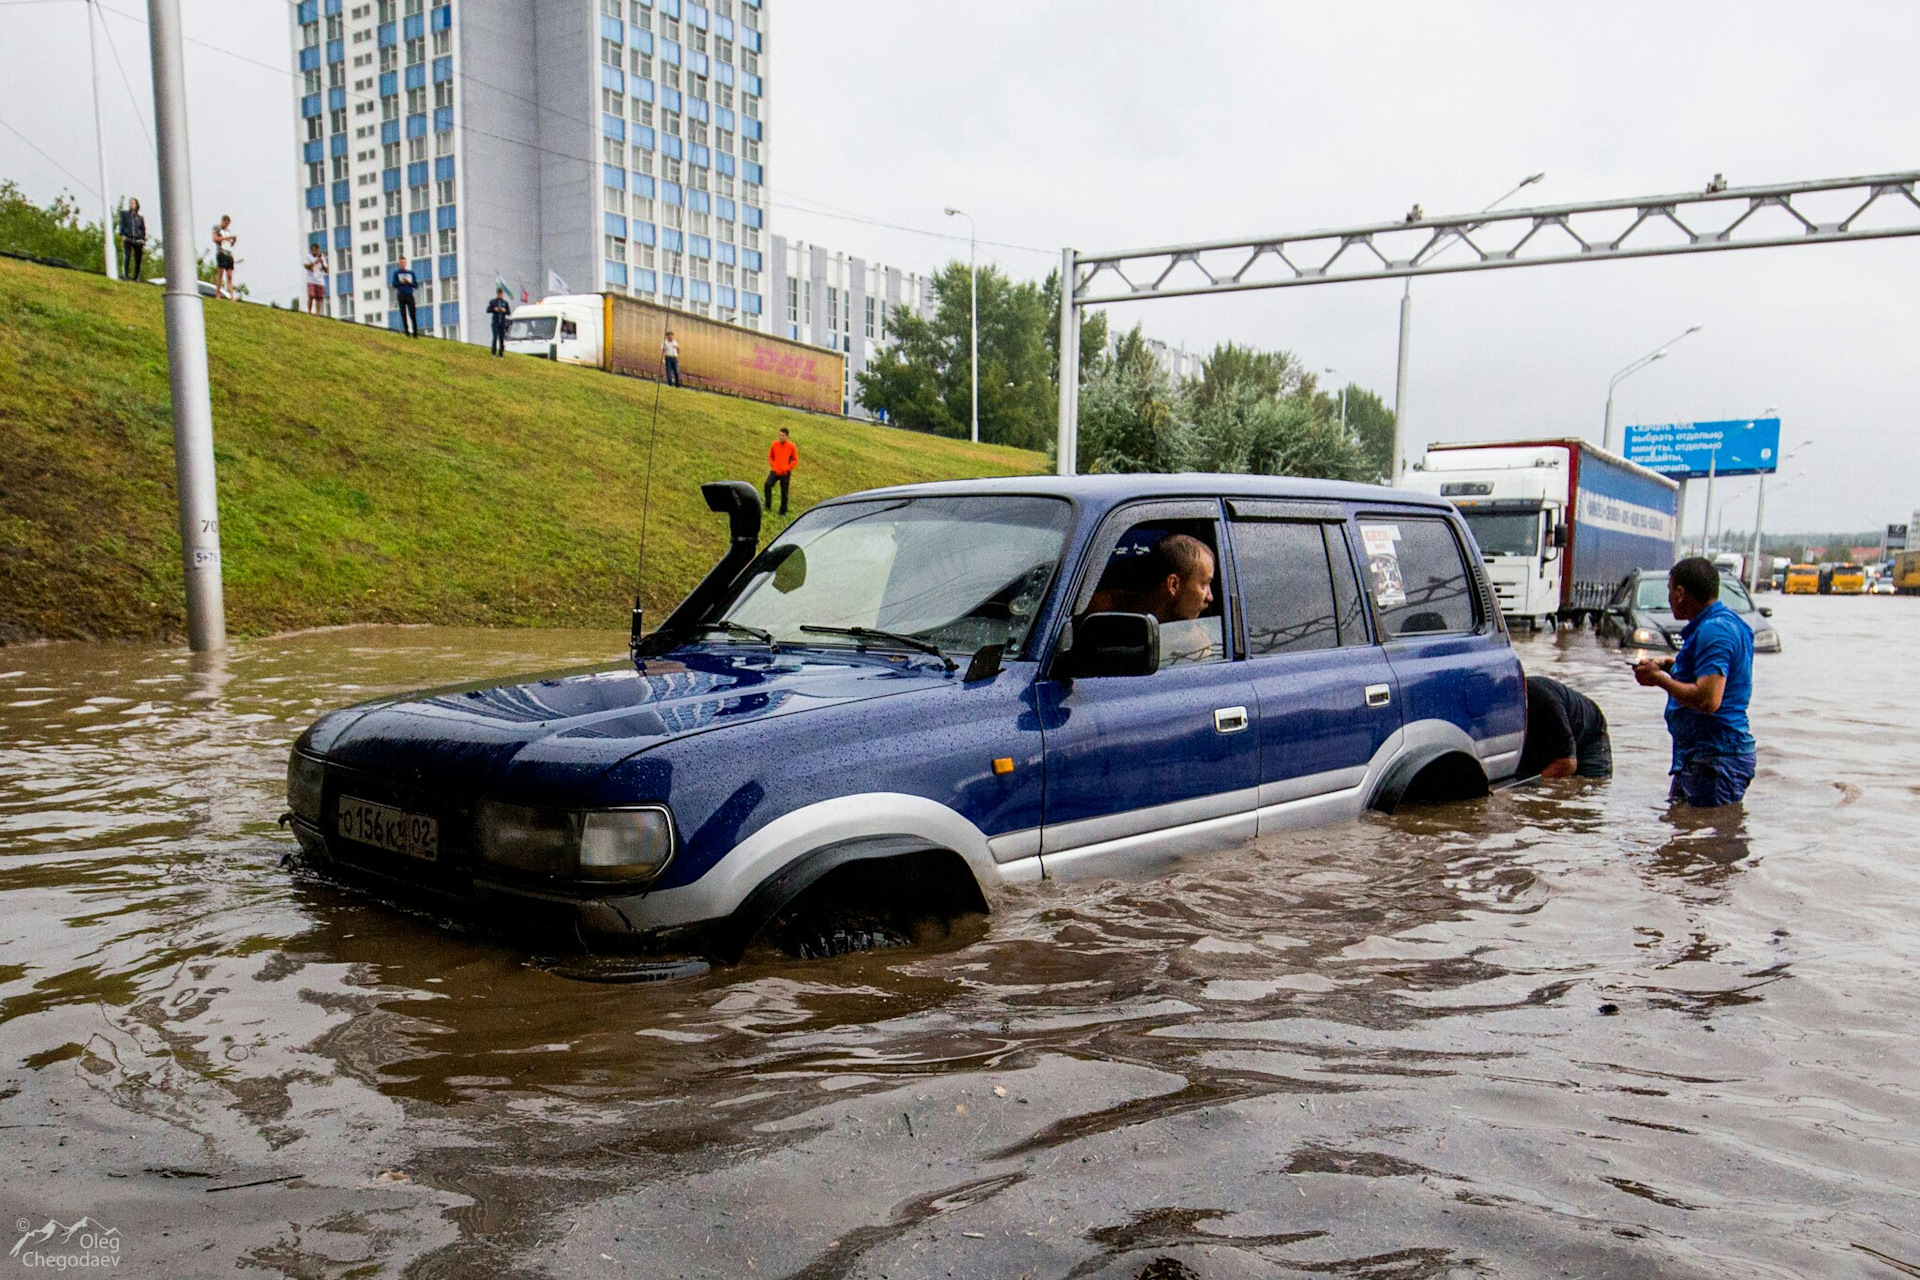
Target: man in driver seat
[[1173, 581]]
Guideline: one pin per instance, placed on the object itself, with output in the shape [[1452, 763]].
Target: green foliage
[[365, 477], [1249, 411], [923, 379], [57, 232], [1370, 423]]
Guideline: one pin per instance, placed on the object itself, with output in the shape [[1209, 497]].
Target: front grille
[[451, 872]]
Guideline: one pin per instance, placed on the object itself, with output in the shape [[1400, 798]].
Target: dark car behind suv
[[1638, 614], [915, 684]]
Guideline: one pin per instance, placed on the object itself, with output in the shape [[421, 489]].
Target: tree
[[1370, 423], [923, 379], [1249, 411]]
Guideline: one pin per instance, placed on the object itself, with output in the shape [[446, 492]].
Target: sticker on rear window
[[1383, 564]]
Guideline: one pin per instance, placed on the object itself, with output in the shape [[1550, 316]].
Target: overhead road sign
[[1694, 450]]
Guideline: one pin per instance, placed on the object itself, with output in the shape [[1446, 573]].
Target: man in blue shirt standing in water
[[1708, 684]]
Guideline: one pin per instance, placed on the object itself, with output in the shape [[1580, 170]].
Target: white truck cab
[[565, 327], [1515, 501]]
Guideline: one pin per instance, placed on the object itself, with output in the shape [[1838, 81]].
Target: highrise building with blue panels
[[550, 146]]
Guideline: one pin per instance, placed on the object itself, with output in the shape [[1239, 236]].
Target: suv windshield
[[1505, 533], [960, 573], [531, 329]]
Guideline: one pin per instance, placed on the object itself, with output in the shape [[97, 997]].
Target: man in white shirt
[[670, 349], [318, 273]]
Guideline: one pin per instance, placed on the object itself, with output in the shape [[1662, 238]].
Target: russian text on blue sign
[[1692, 450]]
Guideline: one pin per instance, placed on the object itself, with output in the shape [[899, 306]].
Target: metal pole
[[1067, 445], [973, 325], [1706, 516], [1679, 518], [186, 340], [1398, 467], [1759, 516], [100, 145], [1606, 432]]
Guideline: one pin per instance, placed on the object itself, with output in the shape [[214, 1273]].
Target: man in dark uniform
[[498, 311], [404, 285], [1566, 733]]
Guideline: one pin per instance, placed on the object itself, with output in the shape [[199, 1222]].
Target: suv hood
[[464, 734]]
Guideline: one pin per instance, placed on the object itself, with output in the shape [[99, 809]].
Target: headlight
[[1647, 635], [609, 844], [304, 778]]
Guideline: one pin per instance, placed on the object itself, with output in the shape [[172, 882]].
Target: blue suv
[[941, 688]]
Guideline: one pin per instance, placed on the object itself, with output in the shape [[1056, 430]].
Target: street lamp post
[[973, 322], [1658, 353], [1397, 467], [1760, 514], [1343, 402]]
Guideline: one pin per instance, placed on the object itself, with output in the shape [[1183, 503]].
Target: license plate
[[395, 830]]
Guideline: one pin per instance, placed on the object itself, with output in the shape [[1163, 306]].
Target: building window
[[793, 301], [443, 143], [612, 54], [450, 289], [444, 191], [442, 43], [449, 241], [443, 94], [614, 153], [616, 249], [422, 246], [870, 316], [612, 103], [393, 203], [615, 199], [320, 219]]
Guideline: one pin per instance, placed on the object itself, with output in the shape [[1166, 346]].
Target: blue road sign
[[1690, 450]]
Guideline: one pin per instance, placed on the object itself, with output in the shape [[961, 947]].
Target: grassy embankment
[[368, 478]]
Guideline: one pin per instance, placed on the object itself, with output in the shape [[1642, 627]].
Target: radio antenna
[[646, 499]]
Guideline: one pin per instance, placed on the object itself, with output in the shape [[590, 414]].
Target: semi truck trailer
[[1559, 522]]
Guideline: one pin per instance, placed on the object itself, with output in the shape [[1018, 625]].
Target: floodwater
[[1558, 1032]]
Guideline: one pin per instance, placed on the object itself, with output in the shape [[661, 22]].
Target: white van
[[565, 327]]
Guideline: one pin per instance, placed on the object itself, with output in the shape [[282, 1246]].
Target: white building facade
[[552, 146]]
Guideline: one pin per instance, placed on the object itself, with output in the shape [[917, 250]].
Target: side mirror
[[1113, 644], [1560, 535], [1766, 610]]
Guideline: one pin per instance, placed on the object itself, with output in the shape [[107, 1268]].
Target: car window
[[1419, 581], [1735, 596], [1133, 582], [958, 572], [1652, 594], [1346, 586], [1285, 587]]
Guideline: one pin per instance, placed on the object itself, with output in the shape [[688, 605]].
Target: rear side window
[[1286, 586], [1419, 582]]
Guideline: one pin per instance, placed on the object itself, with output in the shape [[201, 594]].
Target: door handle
[[1379, 695], [1230, 719]]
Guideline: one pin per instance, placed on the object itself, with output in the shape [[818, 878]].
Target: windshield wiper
[[868, 633], [733, 628]]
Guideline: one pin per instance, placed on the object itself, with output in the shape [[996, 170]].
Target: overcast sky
[[1110, 124]]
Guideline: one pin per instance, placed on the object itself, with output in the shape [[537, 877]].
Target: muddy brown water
[[1558, 1032]]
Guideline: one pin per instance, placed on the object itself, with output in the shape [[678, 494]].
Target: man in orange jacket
[[780, 461]]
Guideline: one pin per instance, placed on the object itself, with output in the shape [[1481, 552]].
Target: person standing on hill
[[133, 241], [1708, 685], [670, 350], [781, 460], [404, 284], [318, 274], [497, 311], [223, 242]]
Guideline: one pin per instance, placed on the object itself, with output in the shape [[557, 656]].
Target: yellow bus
[[1802, 580], [1849, 580]]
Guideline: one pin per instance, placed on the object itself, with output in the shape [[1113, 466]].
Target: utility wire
[[44, 156], [125, 79]]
